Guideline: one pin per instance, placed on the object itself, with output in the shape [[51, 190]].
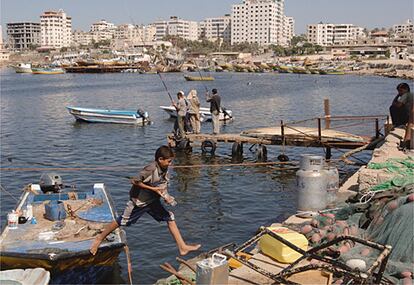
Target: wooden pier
[[287, 134]]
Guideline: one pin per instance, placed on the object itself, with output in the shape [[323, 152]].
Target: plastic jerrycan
[[279, 251]]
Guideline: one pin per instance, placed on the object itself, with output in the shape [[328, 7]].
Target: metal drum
[[332, 186], [311, 184]]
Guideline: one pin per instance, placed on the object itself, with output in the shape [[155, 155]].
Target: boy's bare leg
[[99, 238], [183, 248]]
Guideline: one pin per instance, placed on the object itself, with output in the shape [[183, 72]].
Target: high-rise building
[[333, 34], [56, 29], [213, 29], [258, 21], [23, 35], [175, 26], [407, 27], [102, 25], [288, 30]]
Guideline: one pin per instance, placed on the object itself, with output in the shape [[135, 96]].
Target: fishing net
[[402, 168], [386, 219]]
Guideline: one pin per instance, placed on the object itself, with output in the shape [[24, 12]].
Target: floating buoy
[[208, 146]]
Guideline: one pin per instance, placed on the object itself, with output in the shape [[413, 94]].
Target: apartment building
[[56, 29], [258, 21], [102, 25], [407, 27], [22, 36], [217, 28], [288, 30], [332, 34], [175, 26]]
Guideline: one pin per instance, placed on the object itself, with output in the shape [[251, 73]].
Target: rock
[[306, 229], [316, 238], [359, 264]]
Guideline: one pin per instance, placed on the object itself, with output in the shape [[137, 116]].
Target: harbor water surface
[[216, 205]]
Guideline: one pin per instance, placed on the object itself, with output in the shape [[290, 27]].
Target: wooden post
[[327, 114], [328, 153], [282, 130], [387, 126], [319, 130], [377, 132]]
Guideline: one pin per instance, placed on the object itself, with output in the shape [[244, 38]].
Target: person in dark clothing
[[401, 105], [215, 108]]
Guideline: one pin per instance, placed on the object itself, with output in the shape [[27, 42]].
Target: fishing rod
[[166, 88]]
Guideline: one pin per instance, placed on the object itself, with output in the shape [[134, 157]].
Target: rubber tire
[[237, 149], [283, 157], [261, 153], [184, 145], [208, 146]]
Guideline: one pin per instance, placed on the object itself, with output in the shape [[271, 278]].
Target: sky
[[365, 13]]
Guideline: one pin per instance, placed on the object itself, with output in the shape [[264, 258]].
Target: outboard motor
[[142, 113], [51, 182]]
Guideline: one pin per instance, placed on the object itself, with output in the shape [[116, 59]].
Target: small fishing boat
[[92, 115], [198, 78], [23, 68], [55, 230], [48, 70], [37, 276], [205, 115]]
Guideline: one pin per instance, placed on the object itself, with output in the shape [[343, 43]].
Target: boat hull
[[107, 116], [48, 71], [205, 114], [195, 78], [22, 69]]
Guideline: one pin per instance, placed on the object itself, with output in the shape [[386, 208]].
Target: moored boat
[[57, 230], [198, 78], [48, 70], [23, 68], [38, 276], [205, 115], [93, 115]]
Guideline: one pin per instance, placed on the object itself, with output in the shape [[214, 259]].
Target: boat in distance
[[205, 114], [48, 70], [56, 231], [198, 78], [23, 68], [93, 115]]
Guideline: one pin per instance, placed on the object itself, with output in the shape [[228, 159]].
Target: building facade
[[175, 26], [407, 27], [332, 34], [56, 29], [102, 25], [258, 21], [288, 30], [214, 29], [22, 36]]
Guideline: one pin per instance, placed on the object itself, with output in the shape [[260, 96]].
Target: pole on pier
[[328, 153], [282, 130], [377, 132], [319, 130], [327, 113]]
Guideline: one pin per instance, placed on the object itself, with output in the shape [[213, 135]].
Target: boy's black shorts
[[132, 213]]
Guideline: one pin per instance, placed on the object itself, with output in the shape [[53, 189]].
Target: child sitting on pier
[[145, 193]]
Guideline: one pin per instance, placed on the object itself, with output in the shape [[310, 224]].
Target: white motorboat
[[205, 115], [23, 68], [93, 115]]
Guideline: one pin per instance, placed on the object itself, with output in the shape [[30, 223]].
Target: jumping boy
[[145, 194]]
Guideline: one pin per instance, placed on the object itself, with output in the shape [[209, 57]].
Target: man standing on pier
[[215, 102]]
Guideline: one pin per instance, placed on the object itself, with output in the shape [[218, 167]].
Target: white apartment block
[[102, 25], [175, 26], [332, 34], [288, 30], [407, 27], [56, 29], [258, 21], [213, 29], [135, 33], [23, 36], [81, 38]]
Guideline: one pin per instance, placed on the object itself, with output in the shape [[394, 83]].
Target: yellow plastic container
[[279, 251]]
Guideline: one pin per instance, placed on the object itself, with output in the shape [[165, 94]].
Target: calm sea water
[[215, 205]]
